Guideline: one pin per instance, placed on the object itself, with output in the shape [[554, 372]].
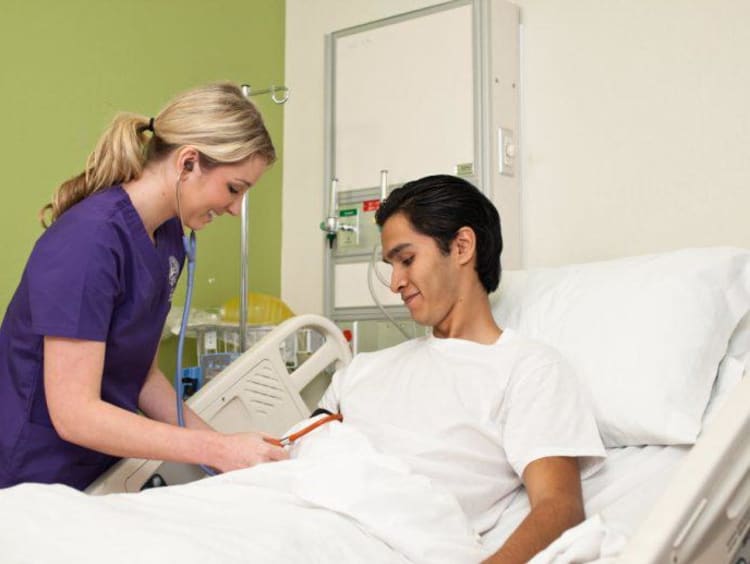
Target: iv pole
[[245, 219]]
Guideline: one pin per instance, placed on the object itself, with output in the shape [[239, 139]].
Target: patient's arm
[[553, 485]]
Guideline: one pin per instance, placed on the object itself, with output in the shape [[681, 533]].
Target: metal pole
[[244, 232], [329, 166]]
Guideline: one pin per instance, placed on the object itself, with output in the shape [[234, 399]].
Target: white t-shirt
[[468, 416]]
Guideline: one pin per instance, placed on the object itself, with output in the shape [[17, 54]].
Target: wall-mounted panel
[[422, 93], [404, 98]]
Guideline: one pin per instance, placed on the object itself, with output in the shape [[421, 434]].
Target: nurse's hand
[[242, 450]]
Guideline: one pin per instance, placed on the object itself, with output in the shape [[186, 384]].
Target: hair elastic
[[150, 126]]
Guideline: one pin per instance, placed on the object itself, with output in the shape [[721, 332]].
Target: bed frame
[[255, 393]]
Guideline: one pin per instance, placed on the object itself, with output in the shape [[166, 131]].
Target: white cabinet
[[403, 98], [421, 93]]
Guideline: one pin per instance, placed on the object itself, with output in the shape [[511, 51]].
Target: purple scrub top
[[94, 275]]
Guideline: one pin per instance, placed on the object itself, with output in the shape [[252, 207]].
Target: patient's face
[[426, 279]]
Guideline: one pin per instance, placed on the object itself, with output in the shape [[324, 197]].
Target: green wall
[[66, 67]]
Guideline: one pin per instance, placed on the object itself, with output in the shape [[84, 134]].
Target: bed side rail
[[256, 392], [704, 515]]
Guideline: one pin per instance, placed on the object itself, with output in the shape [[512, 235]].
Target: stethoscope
[[189, 242]]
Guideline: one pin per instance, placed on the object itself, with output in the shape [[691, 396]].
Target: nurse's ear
[[187, 162]]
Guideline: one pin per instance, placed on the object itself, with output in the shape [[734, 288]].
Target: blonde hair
[[218, 120]]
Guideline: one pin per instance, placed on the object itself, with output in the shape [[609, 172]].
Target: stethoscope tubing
[[191, 246]]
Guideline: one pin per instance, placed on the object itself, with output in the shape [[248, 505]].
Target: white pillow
[[644, 335], [734, 365], [731, 371]]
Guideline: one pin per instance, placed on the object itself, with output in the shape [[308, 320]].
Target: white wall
[[635, 129], [636, 125]]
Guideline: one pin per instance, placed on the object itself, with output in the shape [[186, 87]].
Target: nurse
[[79, 341]]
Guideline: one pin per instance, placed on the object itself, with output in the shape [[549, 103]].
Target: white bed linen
[[339, 501]]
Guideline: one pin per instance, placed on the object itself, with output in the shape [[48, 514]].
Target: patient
[[478, 409]]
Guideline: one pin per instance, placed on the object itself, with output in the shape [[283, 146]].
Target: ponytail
[[218, 120], [119, 157]]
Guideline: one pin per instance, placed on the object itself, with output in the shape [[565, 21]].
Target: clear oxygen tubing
[[370, 269], [371, 265]]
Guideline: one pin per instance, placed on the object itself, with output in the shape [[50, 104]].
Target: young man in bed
[[478, 409]]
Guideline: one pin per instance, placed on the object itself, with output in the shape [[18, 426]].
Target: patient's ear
[[464, 245]]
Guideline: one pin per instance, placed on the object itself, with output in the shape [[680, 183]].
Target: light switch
[[506, 148]]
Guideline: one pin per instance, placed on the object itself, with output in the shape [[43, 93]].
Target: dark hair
[[440, 205]]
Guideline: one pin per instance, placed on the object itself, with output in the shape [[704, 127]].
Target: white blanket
[[337, 500], [591, 541]]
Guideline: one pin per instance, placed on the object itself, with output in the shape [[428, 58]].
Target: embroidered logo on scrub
[[174, 272]]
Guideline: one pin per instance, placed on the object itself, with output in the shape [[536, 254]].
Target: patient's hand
[[241, 450]]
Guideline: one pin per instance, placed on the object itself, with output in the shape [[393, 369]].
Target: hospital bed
[[661, 343]]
